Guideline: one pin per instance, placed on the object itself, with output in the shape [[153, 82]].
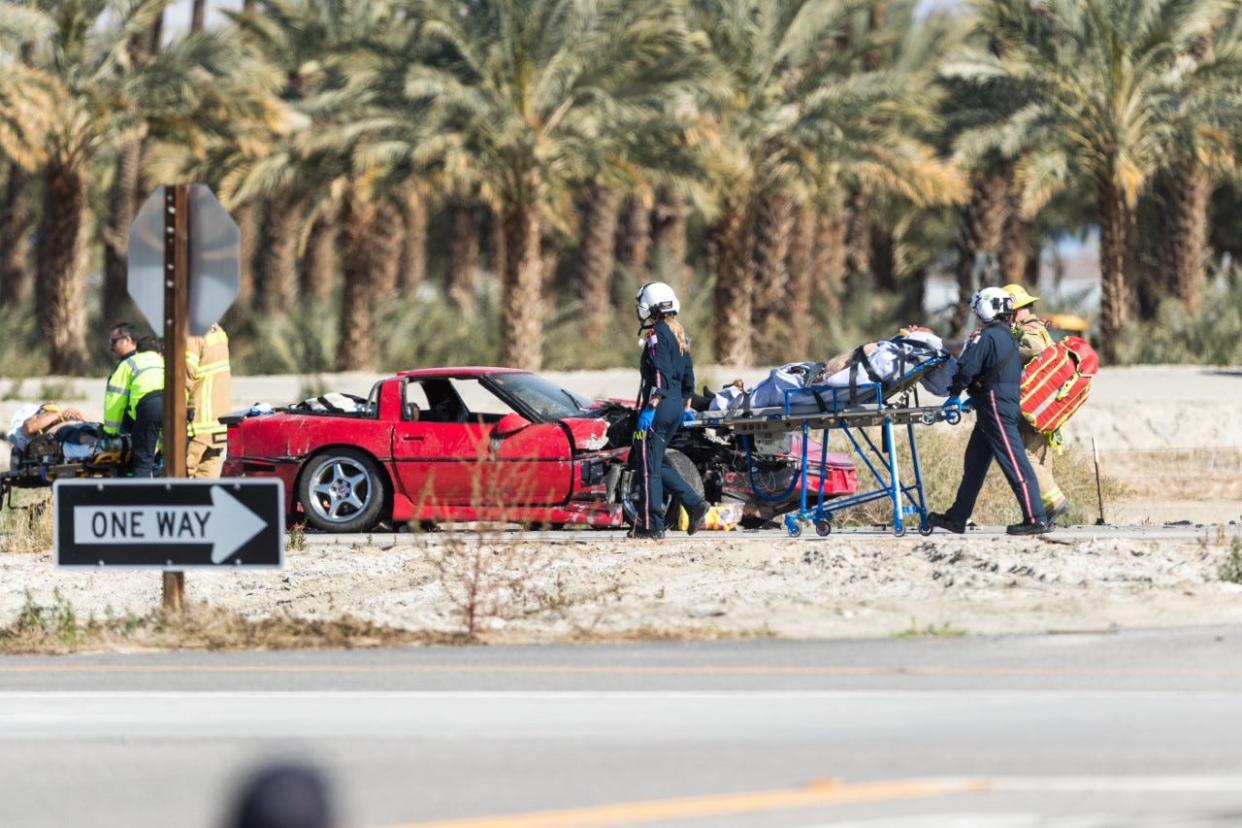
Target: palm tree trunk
[[277, 277], [61, 263], [198, 16], [318, 268], [15, 231], [598, 259], [858, 245], [522, 326], [1017, 247], [801, 253], [730, 258], [773, 233], [390, 236], [122, 204], [496, 253], [463, 256], [634, 243], [357, 349], [828, 283], [1192, 193], [981, 232], [413, 243], [668, 237], [883, 258], [1116, 220], [248, 223]]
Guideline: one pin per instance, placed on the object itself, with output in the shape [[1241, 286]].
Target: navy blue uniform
[[667, 382], [991, 370]]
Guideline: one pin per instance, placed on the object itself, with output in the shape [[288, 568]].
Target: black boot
[[696, 513], [942, 521], [1041, 527]]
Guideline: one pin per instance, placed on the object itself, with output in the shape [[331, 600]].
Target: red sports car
[[486, 444]]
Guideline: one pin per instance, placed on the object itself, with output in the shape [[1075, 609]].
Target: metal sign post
[[176, 316]]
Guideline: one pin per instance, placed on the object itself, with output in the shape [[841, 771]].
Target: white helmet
[[990, 303], [656, 297]]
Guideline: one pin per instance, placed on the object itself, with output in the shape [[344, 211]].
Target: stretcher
[[851, 411], [40, 468]]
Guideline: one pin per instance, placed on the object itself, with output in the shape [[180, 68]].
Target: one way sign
[[169, 524]]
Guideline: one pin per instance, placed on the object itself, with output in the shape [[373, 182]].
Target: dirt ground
[[1173, 434], [501, 589]]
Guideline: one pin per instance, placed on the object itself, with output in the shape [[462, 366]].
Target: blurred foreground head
[[284, 795]]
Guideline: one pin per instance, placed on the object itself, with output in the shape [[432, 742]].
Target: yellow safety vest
[[134, 377], [208, 381]]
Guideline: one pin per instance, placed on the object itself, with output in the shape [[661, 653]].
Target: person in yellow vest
[[134, 399], [208, 392], [1033, 338]]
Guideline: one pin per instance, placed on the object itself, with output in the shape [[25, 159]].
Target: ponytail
[[678, 331]]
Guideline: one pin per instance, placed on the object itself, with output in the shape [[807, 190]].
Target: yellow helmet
[[1021, 298]]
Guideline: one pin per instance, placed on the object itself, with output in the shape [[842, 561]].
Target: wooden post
[[176, 329]]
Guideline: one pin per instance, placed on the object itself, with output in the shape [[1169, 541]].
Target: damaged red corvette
[[490, 444]]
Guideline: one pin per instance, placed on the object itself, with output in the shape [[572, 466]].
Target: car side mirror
[[510, 424]]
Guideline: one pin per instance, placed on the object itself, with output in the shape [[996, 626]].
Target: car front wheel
[[342, 490]]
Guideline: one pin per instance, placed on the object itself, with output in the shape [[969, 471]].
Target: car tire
[[342, 490], [684, 467]]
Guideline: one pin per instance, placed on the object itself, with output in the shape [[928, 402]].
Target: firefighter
[[208, 393], [667, 385], [1033, 338], [991, 370], [134, 399]]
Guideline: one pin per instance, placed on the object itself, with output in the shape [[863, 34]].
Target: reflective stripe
[[113, 389]]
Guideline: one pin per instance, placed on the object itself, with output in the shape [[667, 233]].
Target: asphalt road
[[1137, 728]]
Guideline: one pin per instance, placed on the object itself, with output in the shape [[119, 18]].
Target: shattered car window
[[547, 399]]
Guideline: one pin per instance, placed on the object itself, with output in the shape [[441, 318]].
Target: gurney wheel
[[953, 417], [925, 528], [823, 528], [793, 527], [899, 531]]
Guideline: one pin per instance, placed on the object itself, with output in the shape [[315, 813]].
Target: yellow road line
[[628, 813], [621, 669]]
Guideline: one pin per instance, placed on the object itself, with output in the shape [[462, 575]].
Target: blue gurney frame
[[839, 409]]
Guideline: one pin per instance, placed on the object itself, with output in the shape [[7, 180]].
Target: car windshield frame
[[538, 398]]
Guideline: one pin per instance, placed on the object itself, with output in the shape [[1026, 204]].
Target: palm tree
[[537, 96], [1206, 116], [104, 100], [1102, 85], [797, 119]]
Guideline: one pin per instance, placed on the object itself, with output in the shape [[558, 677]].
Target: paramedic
[[134, 400], [667, 384], [991, 369], [1033, 338], [207, 384]]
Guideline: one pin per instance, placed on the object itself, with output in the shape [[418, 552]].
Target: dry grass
[[58, 629], [941, 450], [28, 526], [490, 582]]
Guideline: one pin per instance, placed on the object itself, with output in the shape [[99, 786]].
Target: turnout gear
[[990, 303], [991, 369], [667, 382], [208, 394], [655, 298]]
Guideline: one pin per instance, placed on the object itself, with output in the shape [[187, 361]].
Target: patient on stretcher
[[50, 431], [915, 354]]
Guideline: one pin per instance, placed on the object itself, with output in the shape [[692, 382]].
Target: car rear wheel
[[342, 490]]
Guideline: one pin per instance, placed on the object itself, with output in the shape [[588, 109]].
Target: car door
[[436, 457]]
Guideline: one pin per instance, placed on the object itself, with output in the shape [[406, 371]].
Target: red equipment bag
[[1057, 382]]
